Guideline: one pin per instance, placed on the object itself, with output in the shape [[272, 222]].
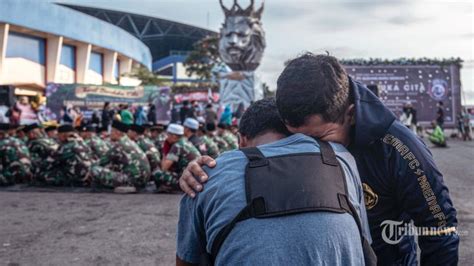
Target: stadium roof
[[160, 35]]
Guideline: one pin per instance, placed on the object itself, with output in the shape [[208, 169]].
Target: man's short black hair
[[312, 84], [261, 117]]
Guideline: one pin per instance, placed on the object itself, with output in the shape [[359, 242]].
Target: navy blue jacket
[[401, 183]]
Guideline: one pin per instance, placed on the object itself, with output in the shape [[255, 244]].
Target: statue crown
[[237, 10]]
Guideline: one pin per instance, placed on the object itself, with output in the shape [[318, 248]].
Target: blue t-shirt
[[302, 239]]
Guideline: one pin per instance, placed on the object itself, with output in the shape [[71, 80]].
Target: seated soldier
[[72, 162], [98, 146], [158, 136], [103, 133], [180, 154], [137, 134], [124, 158], [317, 237], [225, 133], [206, 137], [15, 164], [221, 143], [52, 132], [191, 127], [42, 151]]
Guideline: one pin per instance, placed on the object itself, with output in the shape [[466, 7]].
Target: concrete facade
[[65, 26]]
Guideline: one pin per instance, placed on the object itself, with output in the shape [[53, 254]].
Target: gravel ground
[[44, 227]]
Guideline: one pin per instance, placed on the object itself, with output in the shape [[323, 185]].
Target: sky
[[346, 29]]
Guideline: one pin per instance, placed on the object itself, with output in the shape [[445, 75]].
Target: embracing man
[[281, 199], [401, 182]]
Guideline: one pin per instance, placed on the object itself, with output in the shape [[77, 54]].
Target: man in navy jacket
[[400, 178]]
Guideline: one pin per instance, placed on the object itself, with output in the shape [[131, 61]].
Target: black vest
[[290, 184]]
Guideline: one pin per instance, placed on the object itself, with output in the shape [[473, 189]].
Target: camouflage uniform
[[54, 140], [152, 153], [98, 146], [199, 144], [42, 152], [124, 157], [15, 164], [221, 143], [181, 153], [212, 148], [231, 139], [72, 163], [160, 140]]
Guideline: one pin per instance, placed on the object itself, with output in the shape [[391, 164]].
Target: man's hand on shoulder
[[188, 182]]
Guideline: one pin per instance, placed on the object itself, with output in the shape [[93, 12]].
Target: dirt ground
[[44, 227]]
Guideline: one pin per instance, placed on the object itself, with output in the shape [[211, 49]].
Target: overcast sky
[[346, 29]]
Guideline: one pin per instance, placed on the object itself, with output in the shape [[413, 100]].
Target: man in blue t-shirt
[[312, 238], [402, 184]]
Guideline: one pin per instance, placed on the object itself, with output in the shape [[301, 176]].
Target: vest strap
[[327, 153], [255, 157]]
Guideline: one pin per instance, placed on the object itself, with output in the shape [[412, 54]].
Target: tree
[[146, 76], [203, 58]]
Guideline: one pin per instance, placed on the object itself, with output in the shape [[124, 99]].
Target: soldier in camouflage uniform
[[72, 161], [191, 127], [52, 133], [158, 136], [228, 137], [103, 134], [42, 151], [181, 153], [125, 157], [21, 135], [137, 134], [206, 136], [15, 164], [98, 146]]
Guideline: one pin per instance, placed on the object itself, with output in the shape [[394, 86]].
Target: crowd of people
[[116, 149], [375, 169], [436, 134]]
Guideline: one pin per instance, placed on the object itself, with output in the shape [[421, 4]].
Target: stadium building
[[42, 42], [169, 41]]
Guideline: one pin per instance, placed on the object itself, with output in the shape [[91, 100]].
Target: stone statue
[[242, 38], [241, 45]]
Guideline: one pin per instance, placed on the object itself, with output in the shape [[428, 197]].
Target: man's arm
[[190, 236], [422, 194]]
